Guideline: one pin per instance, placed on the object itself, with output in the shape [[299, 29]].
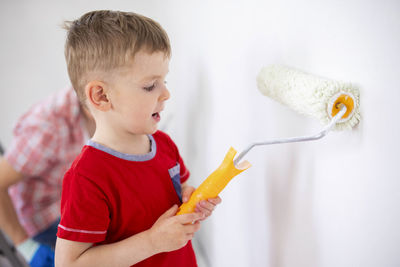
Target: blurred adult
[[46, 140]]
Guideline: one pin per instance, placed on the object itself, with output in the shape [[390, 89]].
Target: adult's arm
[[9, 222]]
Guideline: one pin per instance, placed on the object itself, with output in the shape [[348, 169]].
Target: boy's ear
[[96, 95]]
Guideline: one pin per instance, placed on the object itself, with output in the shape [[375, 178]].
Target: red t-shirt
[[108, 196]]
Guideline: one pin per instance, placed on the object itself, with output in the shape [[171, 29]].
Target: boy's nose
[[165, 95]]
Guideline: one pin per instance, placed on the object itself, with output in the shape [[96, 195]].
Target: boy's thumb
[[171, 211], [187, 193]]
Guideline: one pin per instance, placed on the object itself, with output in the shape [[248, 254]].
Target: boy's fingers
[[189, 217], [170, 212], [210, 204], [190, 236], [187, 193], [215, 201], [206, 205], [192, 228]]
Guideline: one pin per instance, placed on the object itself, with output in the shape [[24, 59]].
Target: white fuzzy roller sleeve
[[310, 95]]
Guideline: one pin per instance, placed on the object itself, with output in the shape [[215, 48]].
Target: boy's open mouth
[[156, 116]]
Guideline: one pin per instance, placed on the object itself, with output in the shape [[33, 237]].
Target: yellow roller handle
[[216, 182]]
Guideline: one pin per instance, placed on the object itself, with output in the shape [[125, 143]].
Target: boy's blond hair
[[104, 40]]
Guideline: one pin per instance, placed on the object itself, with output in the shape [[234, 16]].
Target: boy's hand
[[205, 207], [171, 232]]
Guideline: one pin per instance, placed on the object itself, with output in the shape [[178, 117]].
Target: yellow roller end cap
[[346, 100], [215, 182]]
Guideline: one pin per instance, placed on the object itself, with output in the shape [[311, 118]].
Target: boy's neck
[[128, 143], [90, 124]]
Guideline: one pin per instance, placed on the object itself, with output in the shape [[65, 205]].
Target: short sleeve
[[85, 214], [34, 147], [184, 172]]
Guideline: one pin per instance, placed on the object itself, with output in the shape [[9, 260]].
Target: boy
[[121, 194]]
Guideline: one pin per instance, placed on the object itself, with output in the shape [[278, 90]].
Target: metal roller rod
[[317, 136]]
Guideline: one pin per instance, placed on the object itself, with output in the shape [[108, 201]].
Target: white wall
[[334, 202]]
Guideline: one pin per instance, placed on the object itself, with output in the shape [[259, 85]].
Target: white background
[[334, 202]]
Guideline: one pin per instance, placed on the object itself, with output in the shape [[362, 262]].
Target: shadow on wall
[[291, 207]]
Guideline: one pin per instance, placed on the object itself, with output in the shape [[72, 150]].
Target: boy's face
[[138, 93]]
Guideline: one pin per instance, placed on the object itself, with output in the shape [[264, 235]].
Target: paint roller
[[335, 104]]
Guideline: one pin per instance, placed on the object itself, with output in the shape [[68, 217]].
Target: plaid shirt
[[46, 141]]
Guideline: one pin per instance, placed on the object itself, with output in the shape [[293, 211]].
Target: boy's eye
[[149, 88]]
